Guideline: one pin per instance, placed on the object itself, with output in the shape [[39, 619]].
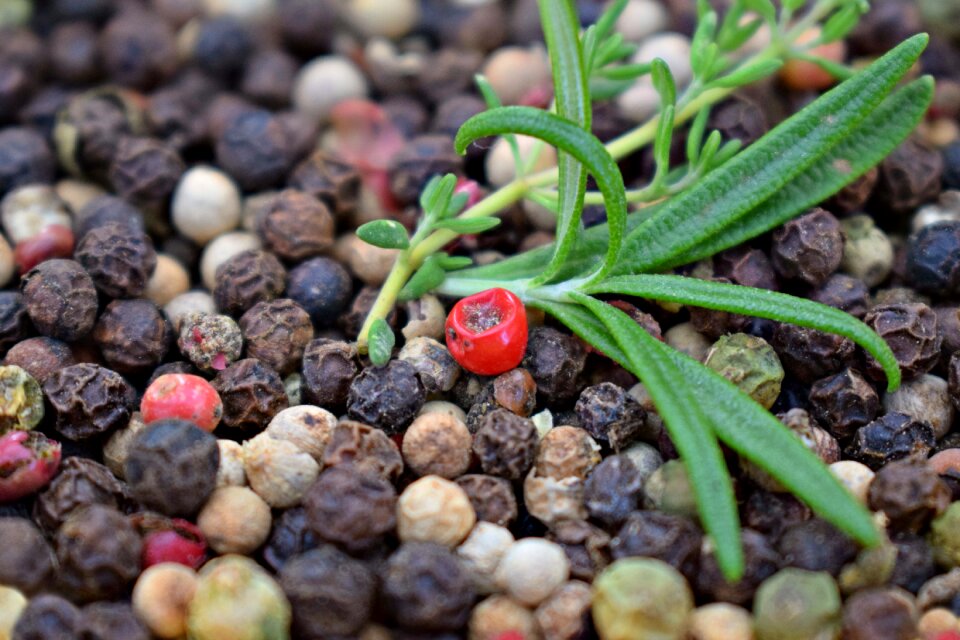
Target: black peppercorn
[[420, 159], [223, 44], [172, 113], [145, 169], [387, 397], [322, 287], [40, 357], [910, 330], [81, 482], [715, 323], [295, 225], [587, 547], [741, 119], [674, 539], [305, 24], [933, 258], [771, 513], [138, 49], [74, 58], [276, 333], [350, 507], [351, 321], [255, 149], [845, 293], [760, 559], [104, 210], [331, 594], [909, 176], [119, 258], [613, 490], [611, 415], [492, 498], [268, 77], [328, 369], [26, 560], [25, 158], [365, 448], [808, 248], [426, 588], [89, 128], [14, 320], [873, 614], [892, 436], [132, 335], [844, 402], [816, 545], [60, 298], [506, 444], [915, 562], [252, 393], [555, 361], [855, 195], [16, 87], [247, 278], [289, 537], [48, 617], [747, 267], [88, 400], [333, 181], [910, 493], [454, 111], [111, 621]]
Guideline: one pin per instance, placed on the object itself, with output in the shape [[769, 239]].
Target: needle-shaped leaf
[[567, 137], [755, 302], [468, 225], [725, 195]]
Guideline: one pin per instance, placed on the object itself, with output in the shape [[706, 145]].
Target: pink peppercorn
[[184, 396], [182, 543], [948, 635], [53, 241], [510, 635], [28, 461]]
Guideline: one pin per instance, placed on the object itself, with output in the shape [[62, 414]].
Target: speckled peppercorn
[[910, 329], [21, 400], [641, 596], [252, 393], [328, 369], [350, 508], [795, 604], [808, 248], [891, 437], [81, 482], [98, 552], [247, 278], [910, 493], [172, 466], [26, 560], [808, 354], [119, 258], [88, 400], [506, 444], [555, 361], [295, 226], [132, 335], [611, 415], [387, 397], [364, 448], [60, 298], [276, 333], [843, 402], [210, 341], [425, 587], [750, 363], [492, 498]]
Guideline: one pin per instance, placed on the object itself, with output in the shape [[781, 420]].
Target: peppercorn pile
[[190, 444]]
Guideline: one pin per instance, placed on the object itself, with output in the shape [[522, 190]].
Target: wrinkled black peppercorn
[[255, 149], [426, 588], [289, 538], [387, 397], [81, 482], [247, 278], [816, 545], [14, 320], [295, 225], [276, 333], [329, 367], [132, 335], [60, 298], [890, 437], [910, 493], [252, 393], [808, 248], [351, 508], [613, 490], [506, 444], [674, 539], [809, 354], [119, 258], [492, 498], [88, 400], [555, 361], [843, 402], [48, 617], [26, 560], [111, 621], [611, 415], [760, 559], [910, 329]]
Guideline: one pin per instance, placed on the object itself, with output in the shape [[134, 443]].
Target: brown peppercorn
[[328, 369], [880, 614], [247, 278], [587, 547], [506, 444], [290, 537], [566, 612], [119, 258], [295, 225], [132, 335], [492, 498], [613, 490], [808, 248], [387, 397], [330, 179], [909, 176], [437, 369], [351, 508], [566, 452], [331, 594], [915, 563], [437, 444], [745, 266], [172, 466], [892, 436], [25, 158], [516, 391], [268, 77], [910, 492], [255, 149], [426, 588], [771, 513], [816, 545], [48, 617], [855, 195], [144, 169], [72, 48], [420, 159], [252, 393], [910, 330], [760, 562], [104, 210], [14, 320], [844, 402], [351, 321], [40, 357], [555, 360], [111, 621], [61, 299], [88, 400], [365, 448], [611, 415], [26, 560], [80, 482], [845, 293], [809, 354], [276, 333], [674, 539], [89, 128], [138, 49]]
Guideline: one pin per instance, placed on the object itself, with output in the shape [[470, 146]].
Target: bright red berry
[[487, 332], [510, 635], [28, 461], [948, 635], [184, 396], [53, 241], [171, 540]]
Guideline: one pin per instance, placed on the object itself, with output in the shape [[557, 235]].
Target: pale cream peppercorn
[[551, 500], [28, 209], [641, 19], [499, 614], [169, 279], [936, 621], [514, 71], [161, 598], [221, 249], [117, 448], [12, 604], [499, 163], [186, 304], [425, 318], [235, 520], [307, 426], [855, 476], [205, 204], [437, 444], [481, 553], [563, 615], [369, 263], [278, 470], [867, 250], [387, 18], [230, 473], [445, 408], [567, 451], [77, 193], [720, 621], [532, 569], [324, 82], [685, 338], [926, 399], [434, 509], [7, 265]]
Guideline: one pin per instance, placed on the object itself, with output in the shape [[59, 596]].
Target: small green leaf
[[732, 39], [764, 8], [793, 5], [452, 263], [624, 72], [663, 82], [836, 69], [386, 234], [380, 342], [747, 74], [695, 135], [661, 145], [725, 153], [701, 55], [468, 225], [840, 24], [428, 277]]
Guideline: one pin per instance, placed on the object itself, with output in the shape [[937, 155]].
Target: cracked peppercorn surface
[[88, 400], [387, 397]]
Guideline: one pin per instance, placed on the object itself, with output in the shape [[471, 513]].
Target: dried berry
[[88, 400], [322, 287], [211, 341], [61, 299], [145, 170], [492, 498], [40, 357], [915, 563], [845, 293], [910, 330], [437, 368], [172, 466], [328, 369], [132, 335], [426, 588], [844, 402], [21, 400], [555, 361], [278, 470], [170, 540], [925, 398], [48, 616], [365, 448], [933, 258], [268, 77], [868, 253], [254, 148], [26, 560], [330, 179], [587, 547], [891, 437], [909, 176], [437, 444], [103, 210], [387, 397], [910, 493], [808, 354], [119, 258], [276, 333], [295, 226], [816, 545], [80, 483], [566, 452], [161, 597], [481, 553], [28, 460], [622, 595], [613, 490], [98, 552], [252, 393], [550, 500], [673, 539], [433, 509], [750, 363], [880, 613], [350, 508], [771, 513], [611, 415], [506, 444], [138, 49], [235, 520], [290, 537], [808, 248]]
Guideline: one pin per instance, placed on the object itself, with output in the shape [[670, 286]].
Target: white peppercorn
[[230, 473], [437, 444], [161, 598], [551, 500], [641, 19], [324, 82], [498, 616], [499, 162], [645, 457], [221, 249], [368, 263], [235, 520], [720, 621], [386, 18], [443, 407], [307, 426], [563, 615], [425, 318], [855, 476], [278, 470], [434, 509], [7, 265], [685, 338], [168, 280], [532, 569], [926, 399], [514, 71], [186, 304], [206, 203], [12, 604], [482, 551], [28, 209], [867, 251]]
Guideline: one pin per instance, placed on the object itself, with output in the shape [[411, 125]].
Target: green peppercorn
[[945, 536], [21, 400], [750, 363], [641, 598], [237, 599], [794, 604]]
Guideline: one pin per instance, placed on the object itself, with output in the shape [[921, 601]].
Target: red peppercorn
[[487, 332], [182, 543], [510, 635], [53, 241], [28, 460], [948, 635], [184, 396]]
